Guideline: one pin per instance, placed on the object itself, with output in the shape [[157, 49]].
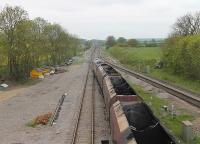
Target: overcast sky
[[100, 18]]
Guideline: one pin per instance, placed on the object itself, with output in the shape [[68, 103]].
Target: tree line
[[123, 42], [181, 51], [27, 43]]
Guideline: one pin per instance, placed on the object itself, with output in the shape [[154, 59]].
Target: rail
[[77, 120], [186, 96]]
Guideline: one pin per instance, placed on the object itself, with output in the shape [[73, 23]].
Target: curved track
[[186, 96]]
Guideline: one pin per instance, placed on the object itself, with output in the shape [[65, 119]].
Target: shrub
[[182, 55]]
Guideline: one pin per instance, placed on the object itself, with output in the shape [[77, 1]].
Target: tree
[[40, 41], [110, 41], [24, 49], [132, 42], [54, 32], [121, 41], [27, 44], [151, 43], [9, 18], [182, 55], [187, 25], [88, 44], [2, 49]]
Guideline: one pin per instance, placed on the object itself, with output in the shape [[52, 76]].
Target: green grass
[[174, 125], [140, 53], [197, 140], [181, 81], [31, 124], [139, 58], [146, 53]]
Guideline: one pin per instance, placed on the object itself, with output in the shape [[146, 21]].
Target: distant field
[[137, 58], [146, 53], [144, 59]]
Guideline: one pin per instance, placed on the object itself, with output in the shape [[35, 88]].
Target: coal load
[[145, 126], [109, 70], [121, 87], [98, 62]]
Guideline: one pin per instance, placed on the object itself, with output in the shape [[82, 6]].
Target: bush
[[182, 55]]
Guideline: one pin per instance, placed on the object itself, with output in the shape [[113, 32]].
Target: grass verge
[[31, 124], [173, 124]]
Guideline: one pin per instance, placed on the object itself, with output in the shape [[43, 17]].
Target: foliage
[[179, 80], [132, 43], [121, 41], [182, 55], [88, 44], [31, 124], [110, 41], [139, 58], [26, 43], [151, 43], [188, 24]]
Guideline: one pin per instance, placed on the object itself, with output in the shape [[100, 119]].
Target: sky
[[96, 19]]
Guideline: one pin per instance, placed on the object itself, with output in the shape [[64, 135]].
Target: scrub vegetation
[[146, 60], [27, 43], [175, 59]]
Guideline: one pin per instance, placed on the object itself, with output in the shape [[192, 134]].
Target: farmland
[[144, 59]]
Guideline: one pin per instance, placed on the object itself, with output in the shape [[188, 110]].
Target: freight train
[[131, 120]]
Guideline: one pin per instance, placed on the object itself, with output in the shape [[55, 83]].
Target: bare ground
[[18, 106], [25, 104]]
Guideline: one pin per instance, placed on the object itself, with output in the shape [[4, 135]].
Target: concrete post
[[187, 133], [148, 69]]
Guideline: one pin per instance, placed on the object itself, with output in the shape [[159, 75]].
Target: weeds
[[40, 120]]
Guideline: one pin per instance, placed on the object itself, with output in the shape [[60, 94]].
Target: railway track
[[83, 131], [186, 96]]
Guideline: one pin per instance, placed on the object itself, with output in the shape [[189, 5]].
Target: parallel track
[[93, 111], [83, 131], [186, 96]]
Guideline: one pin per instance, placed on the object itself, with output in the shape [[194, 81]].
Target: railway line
[[83, 131], [186, 96], [131, 120]]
